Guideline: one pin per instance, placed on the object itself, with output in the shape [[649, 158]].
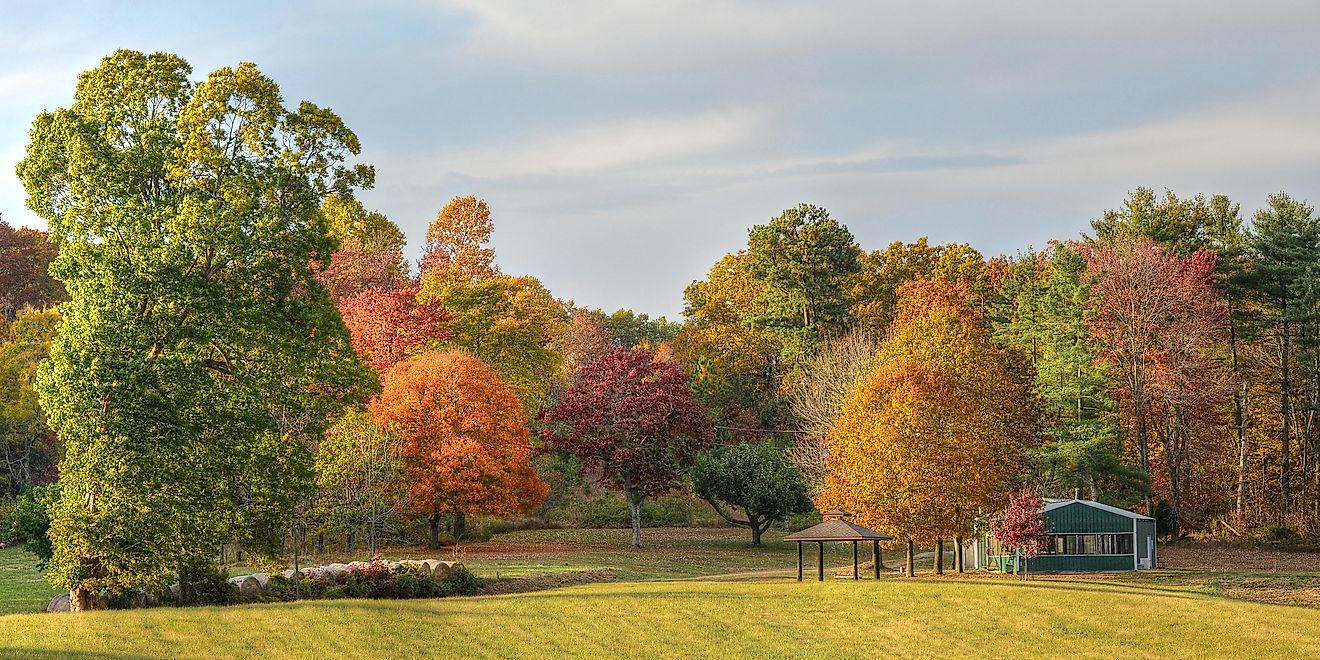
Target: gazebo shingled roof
[[837, 530]]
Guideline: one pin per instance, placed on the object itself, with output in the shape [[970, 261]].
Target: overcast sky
[[623, 147]]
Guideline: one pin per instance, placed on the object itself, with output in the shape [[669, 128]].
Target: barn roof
[[1051, 505]]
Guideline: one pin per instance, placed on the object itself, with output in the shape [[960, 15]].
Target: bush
[[610, 511], [204, 583], [7, 535], [30, 521], [518, 525], [375, 580], [1279, 535], [600, 512]]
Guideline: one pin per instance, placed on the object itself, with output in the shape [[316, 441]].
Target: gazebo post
[[876, 557], [799, 561], [820, 563], [854, 560]]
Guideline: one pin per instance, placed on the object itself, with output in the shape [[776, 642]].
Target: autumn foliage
[[466, 448], [456, 240], [389, 325], [1162, 325], [1021, 525], [634, 421], [935, 435]]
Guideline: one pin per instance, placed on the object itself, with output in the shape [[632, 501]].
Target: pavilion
[[835, 528]]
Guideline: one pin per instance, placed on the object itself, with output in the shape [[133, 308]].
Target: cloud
[[593, 148]]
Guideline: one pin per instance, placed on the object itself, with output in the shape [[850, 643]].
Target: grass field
[[22, 587], [706, 593], [902, 618]]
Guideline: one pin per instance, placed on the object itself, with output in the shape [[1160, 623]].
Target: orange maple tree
[[935, 436], [466, 447]]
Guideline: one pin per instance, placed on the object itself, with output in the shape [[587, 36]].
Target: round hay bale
[[59, 603], [442, 569], [247, 585], [430, 565], [263, 580], [394, 566], [289, 573]]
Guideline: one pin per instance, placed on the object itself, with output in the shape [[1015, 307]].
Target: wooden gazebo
[[835, 528]]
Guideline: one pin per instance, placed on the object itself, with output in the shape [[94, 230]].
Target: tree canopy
[[188, 218]]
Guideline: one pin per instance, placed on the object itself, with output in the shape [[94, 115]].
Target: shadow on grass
[[21, 652]]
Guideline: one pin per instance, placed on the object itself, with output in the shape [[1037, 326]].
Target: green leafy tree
[[359, 466], [197, 351], [511, 323], [1043, 309], [757, 479], [803, 259]]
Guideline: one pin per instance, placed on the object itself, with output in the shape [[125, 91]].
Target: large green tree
[[1285, 247], [197, 348], [803, 259]]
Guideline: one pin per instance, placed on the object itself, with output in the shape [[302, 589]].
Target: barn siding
[[1078, 518]]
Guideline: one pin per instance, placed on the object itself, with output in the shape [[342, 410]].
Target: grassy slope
[[22, 587], [891, 617]]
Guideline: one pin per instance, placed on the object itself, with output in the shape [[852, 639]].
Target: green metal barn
[[1083, 536]]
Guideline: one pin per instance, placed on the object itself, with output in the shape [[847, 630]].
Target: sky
[[623, 147]]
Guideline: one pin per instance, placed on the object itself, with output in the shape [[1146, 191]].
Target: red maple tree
[[632, 420], [1161, 321], [1021, 526], [389, 325]]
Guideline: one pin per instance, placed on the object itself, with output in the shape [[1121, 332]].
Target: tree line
[[217, 343]]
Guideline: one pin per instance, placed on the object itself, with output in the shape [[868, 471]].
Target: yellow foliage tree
[[936, 435], [456, 240]]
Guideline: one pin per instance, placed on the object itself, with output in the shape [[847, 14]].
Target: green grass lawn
[[22, 587], [705, 592], [839, 618]]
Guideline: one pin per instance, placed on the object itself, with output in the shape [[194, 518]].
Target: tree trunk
[[958, 554], [1285, 408], [460, 526], [434, 520], [81, 600], [634, 510], [1240, 406], [755, 524], [911, 558], [939, 556], [1143, 441]]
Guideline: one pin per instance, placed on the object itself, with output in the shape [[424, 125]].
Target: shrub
[[600, 512], [203, 583], [375, 580], [30, 521], [7, 535], [609, 511], [518, 525], [1279, 535]]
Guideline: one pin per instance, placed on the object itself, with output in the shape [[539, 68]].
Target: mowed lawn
[[23, 588], [704, 592], [838, 618]]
